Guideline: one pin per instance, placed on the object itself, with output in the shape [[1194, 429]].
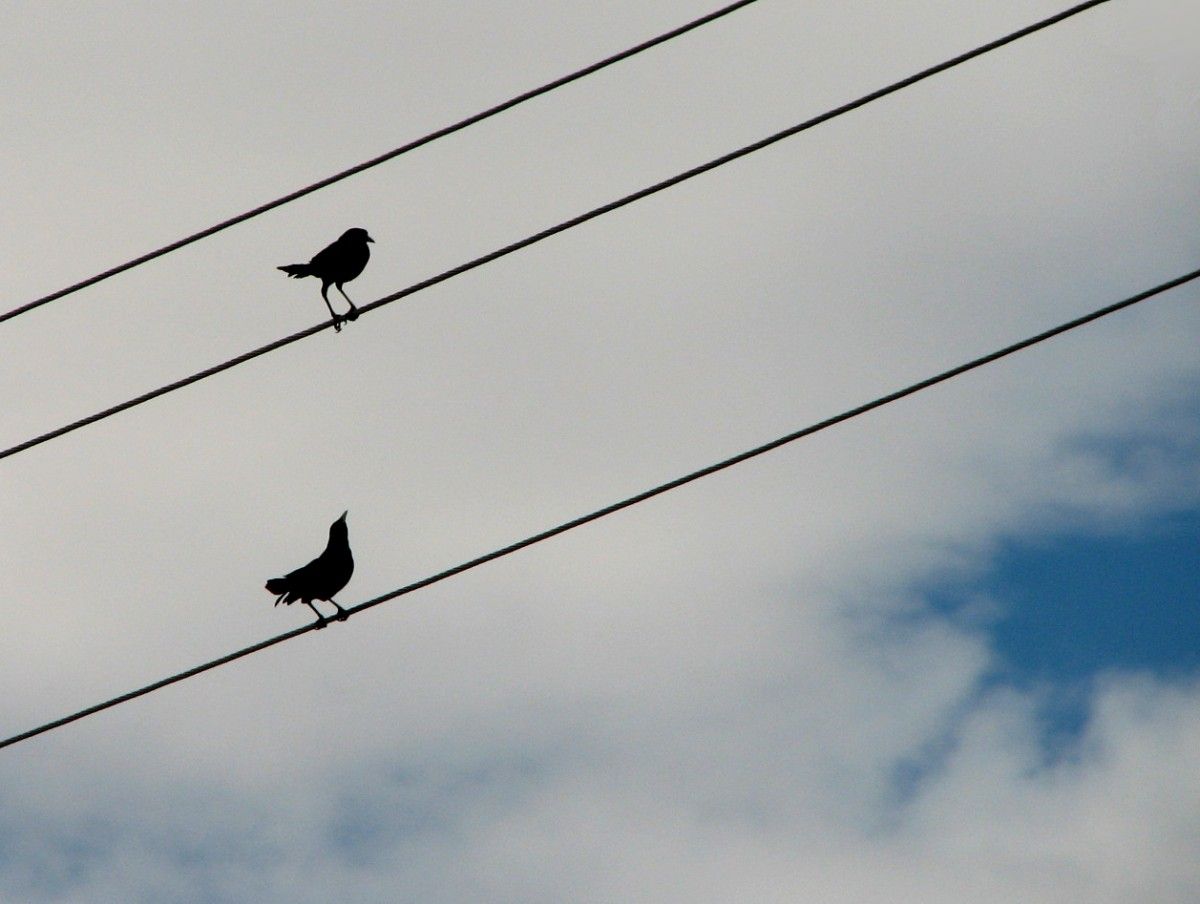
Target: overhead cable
[[382, 158], [623, 504], [554, 230]]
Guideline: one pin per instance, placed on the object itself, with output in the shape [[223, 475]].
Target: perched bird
[[321, 578], [335, 265]]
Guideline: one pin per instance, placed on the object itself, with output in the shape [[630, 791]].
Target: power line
[[382, 158], [624, 503], [561, 227]]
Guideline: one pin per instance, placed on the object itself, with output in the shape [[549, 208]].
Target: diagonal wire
[[624, 503], [382, 158], [561, 227]]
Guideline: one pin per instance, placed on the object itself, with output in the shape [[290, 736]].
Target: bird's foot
[[352, 314], [320, 623], [337, 324], [342, 614]]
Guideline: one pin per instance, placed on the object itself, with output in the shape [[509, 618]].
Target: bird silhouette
[[322, 578], [339, 263]]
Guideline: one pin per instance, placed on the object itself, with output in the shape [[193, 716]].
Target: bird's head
[[356, 234], [339, 526]]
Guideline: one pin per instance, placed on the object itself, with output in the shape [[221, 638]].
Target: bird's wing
[[328, 259], [305, 574]]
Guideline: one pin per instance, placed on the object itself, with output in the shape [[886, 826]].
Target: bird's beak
[[344, 514], [371, 240]]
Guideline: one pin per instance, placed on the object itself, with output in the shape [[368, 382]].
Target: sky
[[946, 651]]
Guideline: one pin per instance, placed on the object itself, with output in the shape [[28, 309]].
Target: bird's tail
[[296, 271], [278, 586]]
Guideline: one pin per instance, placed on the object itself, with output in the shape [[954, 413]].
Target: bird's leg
[[337, 321], [321, 619], [342, 613], [352, 314]]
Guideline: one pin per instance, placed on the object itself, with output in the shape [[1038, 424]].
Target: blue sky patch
[[1071, 607], [1074, 606]]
